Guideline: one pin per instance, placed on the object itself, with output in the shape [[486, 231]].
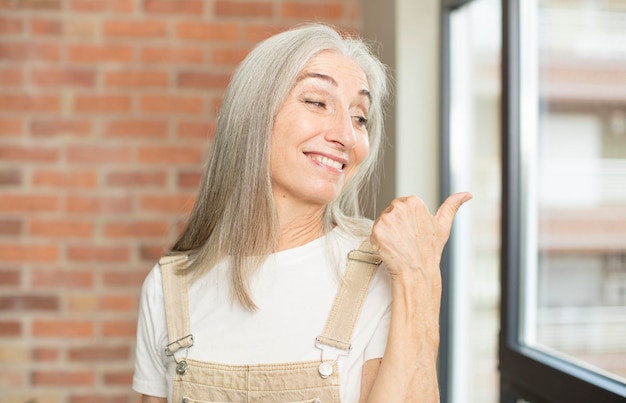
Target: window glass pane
[[575, 173], [475, 165]]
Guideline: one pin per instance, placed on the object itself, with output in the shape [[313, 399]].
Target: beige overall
[[312, 381]]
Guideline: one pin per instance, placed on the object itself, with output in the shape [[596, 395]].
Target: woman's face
[[319, 138]]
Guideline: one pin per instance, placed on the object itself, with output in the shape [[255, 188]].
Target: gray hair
[[235, 216]]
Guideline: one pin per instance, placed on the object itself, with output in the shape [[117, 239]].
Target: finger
[[449, 208]]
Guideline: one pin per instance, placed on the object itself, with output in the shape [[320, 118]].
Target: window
[[471, 150], [564, 219]]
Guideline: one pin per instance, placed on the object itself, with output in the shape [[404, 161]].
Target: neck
[[299, 227]]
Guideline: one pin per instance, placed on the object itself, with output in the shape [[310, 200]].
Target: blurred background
[[107, 110]]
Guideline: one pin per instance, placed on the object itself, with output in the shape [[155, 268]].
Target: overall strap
[[176, 297], [361, 266]]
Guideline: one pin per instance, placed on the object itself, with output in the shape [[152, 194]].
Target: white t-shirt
[[294, 291]]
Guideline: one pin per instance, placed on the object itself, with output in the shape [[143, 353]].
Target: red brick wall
[[107, 109]]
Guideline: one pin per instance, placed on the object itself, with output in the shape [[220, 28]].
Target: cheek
[[362, 149], [360, 153]]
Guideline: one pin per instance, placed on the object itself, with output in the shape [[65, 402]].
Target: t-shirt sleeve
[[150, 373], [376, 347]]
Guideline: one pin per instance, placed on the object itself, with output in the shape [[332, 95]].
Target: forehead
[[341, 68]]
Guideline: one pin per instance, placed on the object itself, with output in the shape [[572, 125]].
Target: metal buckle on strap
[[326, 367], [186, 343], [365, 257], [183, 342]]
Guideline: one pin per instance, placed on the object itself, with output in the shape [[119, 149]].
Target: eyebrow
[[330, 80]]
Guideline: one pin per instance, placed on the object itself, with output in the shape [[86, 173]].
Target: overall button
[[325, 369], [181, 368]]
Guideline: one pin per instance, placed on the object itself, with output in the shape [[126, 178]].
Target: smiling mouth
[[327, 161]]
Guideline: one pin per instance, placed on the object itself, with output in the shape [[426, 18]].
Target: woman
[[277, 307]]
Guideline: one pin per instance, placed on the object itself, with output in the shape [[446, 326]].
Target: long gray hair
[[235, 216]]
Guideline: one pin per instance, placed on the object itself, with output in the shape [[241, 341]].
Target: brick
[[28, 153], [10, 277], [243, 9], [136, 179], [166, 203], [98, 205], [25, 51], [10, 177], [134, 229], [151, 253], [40, 26], [98, 354], [29, 103], [119, 328], [172, 104], [196, 130], [191, 79], [11, 77], [136, 79], [11, 127], [137, 129], [118, 378], [134, 29], [45, 354], [9, 26], [100, 53], [206, 31], [62, 278], [189, 179], [310, 10], [193, 7], [60, 127], [28, 203], [14, 380], [62, 328], [257, 33], [9, 226], [10, 328], [60, 179], [13, 354], [100, 254], [28, 253], [61, 228], [116, 278], [162, 54], [29, 303], [98, 155], [81, 28], [37, 5], [117, 6], [102, 103], [59, 378], [120, 303], [229, 57], [216, 104], [83, 303], [64, 77], [170, 155]]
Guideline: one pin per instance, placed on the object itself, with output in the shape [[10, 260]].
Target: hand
[[410, 240]]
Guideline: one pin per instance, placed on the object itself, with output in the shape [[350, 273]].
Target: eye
[[360, 120], [313, 102]]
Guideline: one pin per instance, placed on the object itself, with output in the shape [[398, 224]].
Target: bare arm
[[410, 241], [152, 399]]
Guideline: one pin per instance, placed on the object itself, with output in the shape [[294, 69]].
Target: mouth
[[327, 162]]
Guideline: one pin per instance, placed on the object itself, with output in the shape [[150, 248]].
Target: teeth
[[327, 161]]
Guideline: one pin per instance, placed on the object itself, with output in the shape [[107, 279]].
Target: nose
[[342, 131]]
